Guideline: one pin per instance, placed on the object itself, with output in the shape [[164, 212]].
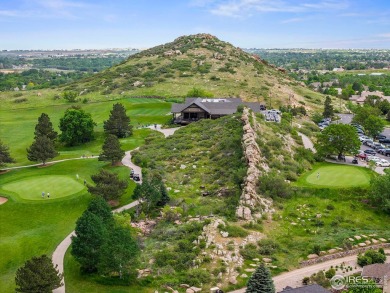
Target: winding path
[[59, 252]]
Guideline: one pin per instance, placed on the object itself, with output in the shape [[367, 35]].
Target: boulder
[[312, 256], [332, 250], [357, 237], [233, 280], [244, 276], [362, 244], [184, 286], [267, 260]]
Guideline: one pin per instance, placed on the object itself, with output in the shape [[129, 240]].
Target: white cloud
[[386, 35], [292, 20], [240, 8]]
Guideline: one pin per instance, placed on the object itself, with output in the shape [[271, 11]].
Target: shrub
[[267, 246], [249, 251], [316, 249], [20, 100], [196, 277], [329, 274], [235, 231], [273, 185]]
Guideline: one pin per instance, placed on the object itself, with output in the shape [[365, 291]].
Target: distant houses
[[360, 99], [195, 109]]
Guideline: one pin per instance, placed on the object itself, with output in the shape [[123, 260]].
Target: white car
[[382, 163], [373, 158]]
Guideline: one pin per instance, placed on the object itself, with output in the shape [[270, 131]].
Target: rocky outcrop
[[251, 204]]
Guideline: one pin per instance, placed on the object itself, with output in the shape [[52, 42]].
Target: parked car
[[373, 158], [386, 153], [370, 144], [384, 140], [263, 107], [377, 146], [380, 136], [370, 152], [136, 177], [362, 155], [355, 161], [381, 150], [367, 141], [382, 163]]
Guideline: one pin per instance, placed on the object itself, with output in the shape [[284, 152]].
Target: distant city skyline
[[87, 24]]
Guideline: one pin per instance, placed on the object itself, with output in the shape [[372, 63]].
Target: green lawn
[[17, 125], [57, 186], [330, 175], [33, 227]]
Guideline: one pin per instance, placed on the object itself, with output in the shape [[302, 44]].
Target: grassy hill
[[172, 69]]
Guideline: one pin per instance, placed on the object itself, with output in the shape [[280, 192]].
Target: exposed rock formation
[[251, 204]]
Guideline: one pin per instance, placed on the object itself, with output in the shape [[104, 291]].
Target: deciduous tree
[[41, 150], [111, 150], [261, 281], [5, 156], [38, 275], [380, 191], [76, 126], [373, 125], [118, 123], [338, 139]]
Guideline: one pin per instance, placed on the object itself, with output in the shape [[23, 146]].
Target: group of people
[[43, 194]]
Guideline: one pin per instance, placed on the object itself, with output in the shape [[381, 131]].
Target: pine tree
[[99, 207], [38, 275], [5, 156], [90, 235], [108, 185], [41, 150], [261, 281], [111, 150], [45, 127], [328, 108], [118, 123], [164, 197]]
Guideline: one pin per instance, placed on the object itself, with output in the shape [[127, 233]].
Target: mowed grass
[[17, 125], [34, 227], [336, 176], [57, 186]]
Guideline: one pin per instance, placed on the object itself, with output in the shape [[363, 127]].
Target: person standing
[[77, 176], [43, 194], [48, 195], [318, 175]]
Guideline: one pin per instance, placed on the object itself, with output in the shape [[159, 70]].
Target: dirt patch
[[116, 164], [4, 171], [3, 200], [46, 165]]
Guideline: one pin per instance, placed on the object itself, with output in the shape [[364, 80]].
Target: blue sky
[[68, 24]]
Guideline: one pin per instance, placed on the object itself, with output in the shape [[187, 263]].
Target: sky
[[98, 24]]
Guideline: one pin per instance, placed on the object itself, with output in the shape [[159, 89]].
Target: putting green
[[338, 176], [31, 188]]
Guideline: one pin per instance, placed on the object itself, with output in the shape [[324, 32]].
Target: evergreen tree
[[108, 185], [119, 252], [111, 150], [164, 197], [41, 150], [90, 235], [328, 108], [261, 281], [5, 156], [99, 207], [45, 127], [118, 123], [38, 275]]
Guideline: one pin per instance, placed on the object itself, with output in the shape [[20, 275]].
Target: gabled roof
[[376, 270], [306, 289], [215, 106]]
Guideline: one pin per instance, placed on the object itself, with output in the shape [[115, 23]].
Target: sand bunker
[[3, 200]]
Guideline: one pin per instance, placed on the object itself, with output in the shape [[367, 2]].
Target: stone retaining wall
[[251, 204], [341, 254]]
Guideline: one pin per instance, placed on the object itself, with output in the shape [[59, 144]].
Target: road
[[294, 278]]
